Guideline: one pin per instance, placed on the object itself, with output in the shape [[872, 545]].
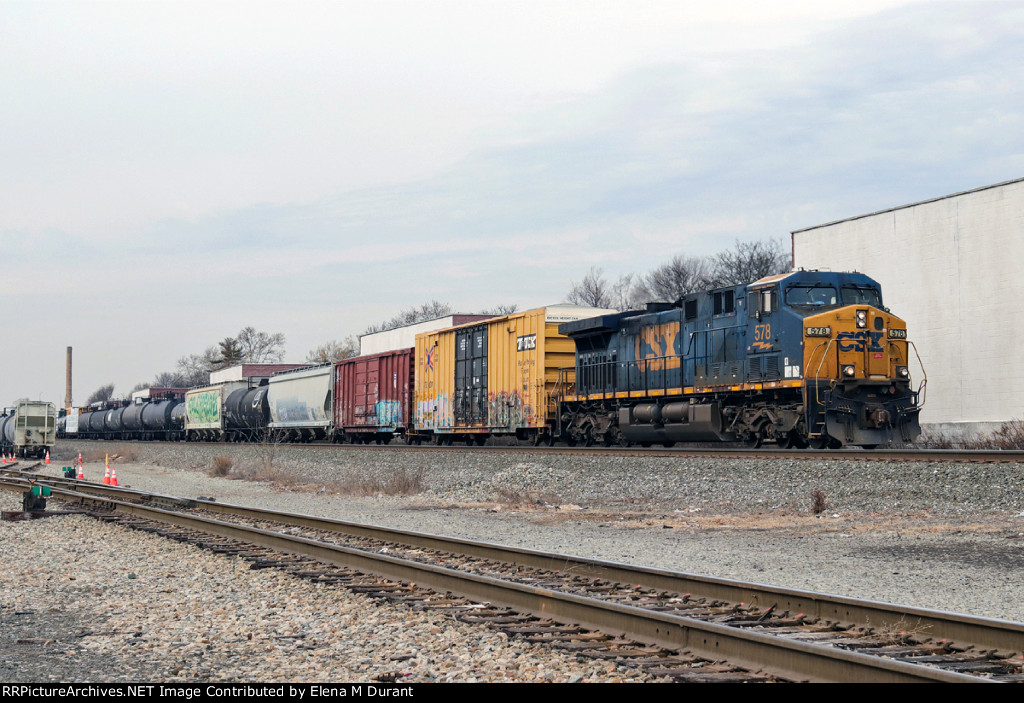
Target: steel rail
[[988, 456], [960, 630], [750, 650]]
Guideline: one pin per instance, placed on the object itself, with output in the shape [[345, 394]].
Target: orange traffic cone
[[81, 474], [113, 476], [47, 457], [79, 457], [5, 457], [106, 475]]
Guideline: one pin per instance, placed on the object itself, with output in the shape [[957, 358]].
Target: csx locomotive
[[809, 357]]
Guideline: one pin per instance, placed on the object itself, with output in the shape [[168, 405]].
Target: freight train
[[28, 429], [798, 359]]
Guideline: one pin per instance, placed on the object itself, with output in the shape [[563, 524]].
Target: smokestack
[[67, 383]]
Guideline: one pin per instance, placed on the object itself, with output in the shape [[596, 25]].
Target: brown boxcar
[[373, 396]]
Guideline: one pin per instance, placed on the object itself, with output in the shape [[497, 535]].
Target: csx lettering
[[655, 345], [857, 341]]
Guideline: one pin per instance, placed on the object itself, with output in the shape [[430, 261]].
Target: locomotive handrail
[[817, 386], [922, 388]]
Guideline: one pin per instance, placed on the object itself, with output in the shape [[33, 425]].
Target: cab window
[[762, 302], [862, 295], [811, 296]]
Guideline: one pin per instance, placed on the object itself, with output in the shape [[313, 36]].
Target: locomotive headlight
[[862, 318], [849, 370], [903, 372]]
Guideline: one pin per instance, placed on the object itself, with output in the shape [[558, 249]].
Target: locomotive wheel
[[791, 440], [753, 440], [825, 442]]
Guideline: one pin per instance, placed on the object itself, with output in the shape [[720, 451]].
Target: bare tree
[[624, 293], [334, 351], [673, 280], [260, 347], [194, 369], [427, 311], [749, 261], [101, 394], [594, 290], [500, 310], [171, 379]]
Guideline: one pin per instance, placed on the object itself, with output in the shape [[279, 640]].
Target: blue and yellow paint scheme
[[804, 357]]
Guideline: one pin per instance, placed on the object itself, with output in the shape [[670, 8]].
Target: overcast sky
[[172, 172]]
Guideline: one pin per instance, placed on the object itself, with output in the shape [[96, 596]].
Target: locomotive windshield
[[811, 296], [820, 296], [862, 295]]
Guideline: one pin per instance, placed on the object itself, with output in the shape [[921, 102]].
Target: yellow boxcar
[[493, 377]]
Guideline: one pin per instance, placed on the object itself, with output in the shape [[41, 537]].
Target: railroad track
[[672, 624], [986, 456]]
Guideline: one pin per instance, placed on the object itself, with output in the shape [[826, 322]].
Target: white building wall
[[953, 267]]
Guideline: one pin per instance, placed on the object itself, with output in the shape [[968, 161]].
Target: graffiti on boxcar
[[435, 413], [659, 344], [389, 414], [507, 410]]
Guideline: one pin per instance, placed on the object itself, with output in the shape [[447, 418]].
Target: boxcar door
[[471, 376]]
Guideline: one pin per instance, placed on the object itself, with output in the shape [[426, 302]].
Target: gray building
[[952, 268]]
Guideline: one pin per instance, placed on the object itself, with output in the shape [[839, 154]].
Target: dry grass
[[1008, 436], [397, 483], [125, 454], [221, 465], [819, 503], [902, 632], [522, 498], [264, 472]]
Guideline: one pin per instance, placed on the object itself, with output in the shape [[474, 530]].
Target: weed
[[221, 465], [818, 502], [397, 483], [1008, 436], [901, 632], [513, 497]]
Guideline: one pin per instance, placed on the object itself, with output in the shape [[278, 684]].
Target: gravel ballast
[[940, 536]]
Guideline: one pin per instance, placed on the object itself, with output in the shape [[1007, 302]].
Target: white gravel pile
[[91, 602]]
